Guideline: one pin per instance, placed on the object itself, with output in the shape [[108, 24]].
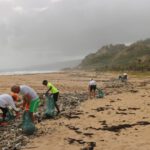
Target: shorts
[[92, 88], [34, 105], [55, 96]]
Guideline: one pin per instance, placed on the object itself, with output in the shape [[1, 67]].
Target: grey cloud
[[50, 31]]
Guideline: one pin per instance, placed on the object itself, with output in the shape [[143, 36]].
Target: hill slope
[[120, 57]]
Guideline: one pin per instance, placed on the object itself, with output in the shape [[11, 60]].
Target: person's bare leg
[[94, 93], [90, 94]]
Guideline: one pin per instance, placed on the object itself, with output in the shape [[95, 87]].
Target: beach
[[119, 121]]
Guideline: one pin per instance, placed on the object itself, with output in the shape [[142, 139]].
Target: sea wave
[[26, 72]]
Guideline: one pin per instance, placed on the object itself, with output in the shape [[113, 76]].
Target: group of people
[[92, 86], [30, 99]]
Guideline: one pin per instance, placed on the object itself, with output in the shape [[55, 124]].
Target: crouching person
[[30, 98], [7, 100]]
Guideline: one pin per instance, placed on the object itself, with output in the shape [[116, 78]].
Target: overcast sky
[[47, 31]]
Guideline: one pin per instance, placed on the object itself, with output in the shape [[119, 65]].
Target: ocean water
[[30, 70], [46, 68], [26, 72]]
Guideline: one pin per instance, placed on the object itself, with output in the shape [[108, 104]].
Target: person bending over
[[30, 98], [7, 100], [54, 91]]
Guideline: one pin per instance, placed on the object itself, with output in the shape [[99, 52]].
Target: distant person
[[92, 88], [7, 100], [54, 91], [120, 77], [123, 77], [30, 98]]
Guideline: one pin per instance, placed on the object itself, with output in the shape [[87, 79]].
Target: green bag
[[100, 93], [9, 116], [28, 126], [50, 106]]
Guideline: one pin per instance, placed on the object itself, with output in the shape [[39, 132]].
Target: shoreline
[[27, 72]]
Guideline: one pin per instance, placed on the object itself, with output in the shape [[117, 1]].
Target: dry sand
[[120, 121]]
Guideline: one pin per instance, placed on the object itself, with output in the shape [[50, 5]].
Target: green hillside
[[135, 57]]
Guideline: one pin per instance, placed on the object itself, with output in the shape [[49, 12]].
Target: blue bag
[[100, 93], [28, 126], [50, 106], [9, 116]]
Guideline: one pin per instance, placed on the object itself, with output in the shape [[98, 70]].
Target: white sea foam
[[25, 72]]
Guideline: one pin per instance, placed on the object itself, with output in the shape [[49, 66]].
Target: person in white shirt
[[123, 77], [30, 98], [7, 100], [92, 88]]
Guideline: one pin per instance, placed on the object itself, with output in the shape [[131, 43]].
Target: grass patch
[[140, 74]]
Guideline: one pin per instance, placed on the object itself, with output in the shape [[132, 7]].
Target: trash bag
[[28, 126], [100, 93], [50, 106], [9, 115]]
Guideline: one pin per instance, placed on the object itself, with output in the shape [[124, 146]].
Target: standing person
[[92, 88], [30, 98], [7, 100], [54, 91]]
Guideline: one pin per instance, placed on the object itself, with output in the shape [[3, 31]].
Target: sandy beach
[[119, 121]]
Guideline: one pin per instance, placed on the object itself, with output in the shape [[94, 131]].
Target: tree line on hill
[[119, 57]]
